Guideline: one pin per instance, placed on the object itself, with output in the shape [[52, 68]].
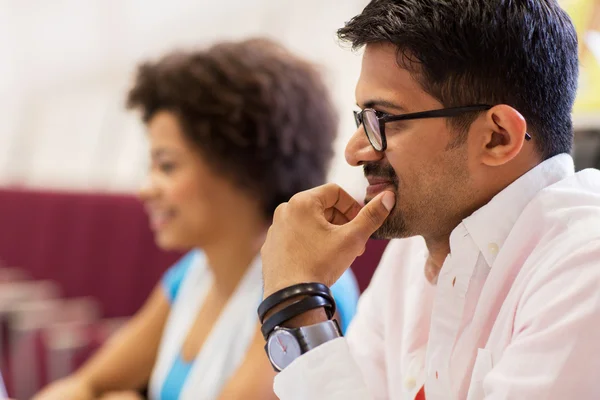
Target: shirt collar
[[490, 225]]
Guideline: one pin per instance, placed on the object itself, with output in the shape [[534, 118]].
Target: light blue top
[[3, 393], [345, 291]]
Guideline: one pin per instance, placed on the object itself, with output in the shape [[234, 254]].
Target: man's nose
[[359, 150]]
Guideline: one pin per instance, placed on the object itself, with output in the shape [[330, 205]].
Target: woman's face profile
[[184, 198]]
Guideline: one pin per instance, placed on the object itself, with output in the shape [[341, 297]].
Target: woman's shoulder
[[172, 279], [346, 284], [346, 294]]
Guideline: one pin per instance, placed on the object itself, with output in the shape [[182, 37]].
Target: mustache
[[381, 171]]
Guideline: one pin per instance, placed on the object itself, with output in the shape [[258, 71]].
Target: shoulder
[[346, 293], [577, 195], [561, 226], [172, 279], [561, 223]]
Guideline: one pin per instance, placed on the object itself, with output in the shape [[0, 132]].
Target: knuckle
[[330, 186], [302, 199], [295, 199], [278, 214]]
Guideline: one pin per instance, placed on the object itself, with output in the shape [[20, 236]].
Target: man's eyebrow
[[380, 103]]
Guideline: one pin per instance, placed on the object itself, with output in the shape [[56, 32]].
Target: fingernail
[[389, 200]]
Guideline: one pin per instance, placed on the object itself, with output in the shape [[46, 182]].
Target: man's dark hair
[[258, 114], [522, 53]]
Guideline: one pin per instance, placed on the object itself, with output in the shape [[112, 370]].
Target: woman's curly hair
[[256, 113]]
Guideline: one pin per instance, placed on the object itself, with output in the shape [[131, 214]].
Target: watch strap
[[315, 335], [293, 310]]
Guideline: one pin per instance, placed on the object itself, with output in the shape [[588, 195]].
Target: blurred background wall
[[66, 66]]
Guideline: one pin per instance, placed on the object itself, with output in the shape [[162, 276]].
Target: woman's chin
[[167, 242]]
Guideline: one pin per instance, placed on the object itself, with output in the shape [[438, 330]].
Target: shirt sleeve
[[555, 351], [327, 372], [171, 280]]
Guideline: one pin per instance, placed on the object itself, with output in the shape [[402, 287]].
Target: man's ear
[[504, 130]]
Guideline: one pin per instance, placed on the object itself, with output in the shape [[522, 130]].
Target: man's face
[[423, 164]]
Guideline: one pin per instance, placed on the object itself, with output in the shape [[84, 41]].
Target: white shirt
[[515, 313]]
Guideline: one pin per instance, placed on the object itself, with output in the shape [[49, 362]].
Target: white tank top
[[227, 343]]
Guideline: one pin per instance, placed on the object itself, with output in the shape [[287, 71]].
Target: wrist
[[296, 305], [311, 317], [289, 281]]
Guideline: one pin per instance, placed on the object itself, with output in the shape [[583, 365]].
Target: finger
[[333, 196], [372, 215], [335, 217]]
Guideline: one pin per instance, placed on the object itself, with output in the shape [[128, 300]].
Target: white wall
[[66, 65]]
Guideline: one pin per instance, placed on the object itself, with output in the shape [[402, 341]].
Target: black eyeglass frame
[[384, 118]]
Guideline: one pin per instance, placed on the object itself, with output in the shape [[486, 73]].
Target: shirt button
[[410, 383], [493, 248]]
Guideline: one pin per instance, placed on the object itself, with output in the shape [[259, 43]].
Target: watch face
[[283, 348]]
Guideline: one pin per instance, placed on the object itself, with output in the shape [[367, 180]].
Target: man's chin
[[386, 235], [393, 228], [379, 236]]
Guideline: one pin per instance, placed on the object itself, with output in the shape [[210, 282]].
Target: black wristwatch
[[284, 345]]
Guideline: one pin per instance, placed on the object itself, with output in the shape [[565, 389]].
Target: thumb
[[372, 215]]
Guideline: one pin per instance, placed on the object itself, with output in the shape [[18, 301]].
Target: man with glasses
[[492, 290]]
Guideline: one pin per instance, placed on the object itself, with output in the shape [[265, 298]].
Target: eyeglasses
[[374, 121]]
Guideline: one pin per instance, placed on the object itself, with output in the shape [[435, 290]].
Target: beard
[[395, 225]]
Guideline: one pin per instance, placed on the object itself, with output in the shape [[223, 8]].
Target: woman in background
[[234, 131]]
